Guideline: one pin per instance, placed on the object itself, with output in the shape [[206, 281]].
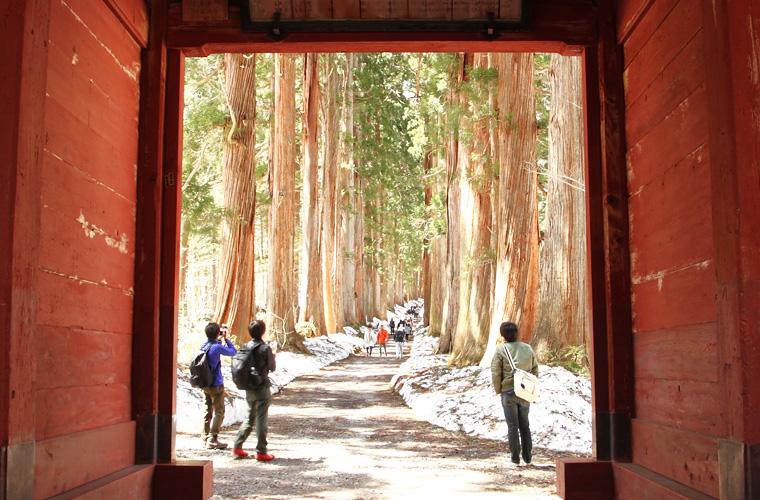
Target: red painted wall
[[677, 416], [85, 273]]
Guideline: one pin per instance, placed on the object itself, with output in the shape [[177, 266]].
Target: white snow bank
[[463, 399]]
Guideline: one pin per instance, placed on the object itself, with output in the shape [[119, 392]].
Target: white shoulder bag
[[526, 385]]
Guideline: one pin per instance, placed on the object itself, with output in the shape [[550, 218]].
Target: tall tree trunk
[[281, 291], [475, 241], [563, 300], [453, 155], [311, 302], [516, 216], [347, 257], [330, 134], [235, 303]]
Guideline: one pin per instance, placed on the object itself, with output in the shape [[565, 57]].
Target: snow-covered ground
[[457, 399]]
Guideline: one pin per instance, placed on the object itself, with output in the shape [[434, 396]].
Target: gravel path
[[342, 433]]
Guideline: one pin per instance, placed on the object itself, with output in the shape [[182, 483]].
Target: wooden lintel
[[555, 26]]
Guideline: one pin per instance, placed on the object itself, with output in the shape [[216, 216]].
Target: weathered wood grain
[[637, 22], [670, 220], [680, 134], [82, 148], [677, 82], [677, 298], [679, 353], [680, 26], [683, 404], [686, 457], [68, 410], [66, 462], [640, 483]]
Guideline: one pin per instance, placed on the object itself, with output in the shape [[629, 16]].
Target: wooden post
[[608, 255], [22, 85], [731, 56], [145, 350], [170, 237], [614, 201]]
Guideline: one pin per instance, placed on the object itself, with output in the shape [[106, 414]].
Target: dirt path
[[341, 433]]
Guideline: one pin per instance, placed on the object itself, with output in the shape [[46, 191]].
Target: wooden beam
[[145, 357], [24, 57], [555, 26], [170, 238], [608, 249], [731, 56]]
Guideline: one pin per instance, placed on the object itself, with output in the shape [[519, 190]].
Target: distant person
[[515, 408], [382, 338], [398, 336], [258, 399], [369, 340], [392, 324], [218, 345]]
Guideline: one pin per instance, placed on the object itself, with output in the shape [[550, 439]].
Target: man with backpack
[[250, 371], [398, 336], [217, 344]]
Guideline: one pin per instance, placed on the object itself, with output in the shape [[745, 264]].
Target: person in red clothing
[[382, 338]]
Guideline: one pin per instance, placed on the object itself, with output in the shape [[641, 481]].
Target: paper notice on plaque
[[204, 10]]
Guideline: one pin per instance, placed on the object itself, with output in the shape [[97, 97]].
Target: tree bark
[[450, 312], [348, 209], [281, 290], [235, 303], [476, 268], [563, 300], [330, 133], [311, 301], [516, 216]]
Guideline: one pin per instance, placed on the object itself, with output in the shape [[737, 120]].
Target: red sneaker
[[264, 457], [239, 453]]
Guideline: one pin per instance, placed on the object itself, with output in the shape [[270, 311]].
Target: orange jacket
[[382, 336]]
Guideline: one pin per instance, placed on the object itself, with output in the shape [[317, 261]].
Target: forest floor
[[342, 433]]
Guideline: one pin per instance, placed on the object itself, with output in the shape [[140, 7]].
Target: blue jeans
[[518, 427]]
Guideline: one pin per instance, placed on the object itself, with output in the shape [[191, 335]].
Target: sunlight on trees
[[404, 175]]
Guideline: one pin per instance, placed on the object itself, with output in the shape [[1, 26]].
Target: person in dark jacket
[[220, 345], [398, 336], [259, 398], [516, 409]]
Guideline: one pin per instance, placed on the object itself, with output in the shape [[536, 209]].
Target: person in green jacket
[[516, 409]]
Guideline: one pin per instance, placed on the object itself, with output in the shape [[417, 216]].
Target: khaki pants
[[215, 407], [258, 416]]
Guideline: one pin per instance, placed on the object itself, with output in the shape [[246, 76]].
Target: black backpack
[[200, 371], [245, 374]]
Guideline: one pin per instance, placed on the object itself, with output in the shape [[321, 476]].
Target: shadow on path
[[342, 433]]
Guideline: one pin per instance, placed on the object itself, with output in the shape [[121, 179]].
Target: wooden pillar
[[614, 201], [170, 238], [609, 264], [608, 249], [731, 55], [23, 58], [145, 350]]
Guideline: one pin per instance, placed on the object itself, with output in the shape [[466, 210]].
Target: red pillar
[[731, 53], [23, 57]]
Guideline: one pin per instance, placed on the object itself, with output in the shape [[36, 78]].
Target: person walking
[[382, 338], [218, 345], [257, 398], [369, 340], [398, 336], [516, 409]]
